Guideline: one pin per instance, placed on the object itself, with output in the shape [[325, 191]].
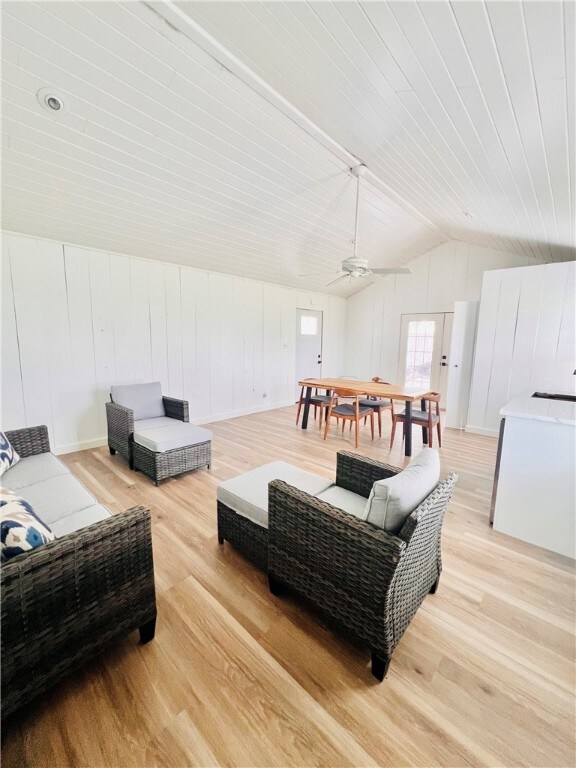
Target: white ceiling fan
[[355, 267]]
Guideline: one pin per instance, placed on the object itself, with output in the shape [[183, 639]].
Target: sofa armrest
[[120, 422], [63, 602], [176, 409], [358, 473], [312, 543], [29, 441]]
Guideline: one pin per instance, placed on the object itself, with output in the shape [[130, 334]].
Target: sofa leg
[[112, 450], [276, 586], [379, 666], [147, 631], [131, 463], [220, 538], [434, 586]]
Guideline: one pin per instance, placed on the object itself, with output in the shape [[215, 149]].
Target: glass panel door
[[424, 345]]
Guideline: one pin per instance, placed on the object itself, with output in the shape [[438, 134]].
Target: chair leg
[[356, 424], [343, 425], [112, 450], [379, 422], [147, 631], [379, 666], [298, 411], [372, 425], [439, 436], [430, 438], [276, 586], [434, 586], [393, 432]]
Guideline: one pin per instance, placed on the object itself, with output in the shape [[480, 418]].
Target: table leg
[[306, 407], [424, 429], [408, 429]]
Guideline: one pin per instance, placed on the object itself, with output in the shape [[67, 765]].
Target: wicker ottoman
[[243, 506], [165, 451]]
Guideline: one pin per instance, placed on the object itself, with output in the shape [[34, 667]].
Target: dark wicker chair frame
[[65, 601], [157, 466], [369, 582]]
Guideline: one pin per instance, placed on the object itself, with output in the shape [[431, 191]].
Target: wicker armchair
[[368, 581], [121, 425], [65, 601]]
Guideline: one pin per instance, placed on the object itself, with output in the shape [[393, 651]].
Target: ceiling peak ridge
[[181, 22]]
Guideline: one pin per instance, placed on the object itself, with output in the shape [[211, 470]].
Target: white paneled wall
[[74, 321], [451, 272], [526, 339]]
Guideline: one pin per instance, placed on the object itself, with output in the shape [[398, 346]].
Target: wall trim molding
[[481, 431]]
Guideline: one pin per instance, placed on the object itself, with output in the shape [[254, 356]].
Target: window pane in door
[[419, 353], [308, 325]]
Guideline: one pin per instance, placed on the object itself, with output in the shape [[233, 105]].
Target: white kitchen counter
[[535, 498], [527, 407]]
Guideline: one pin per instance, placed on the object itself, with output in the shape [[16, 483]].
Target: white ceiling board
[[454, 104], [173, 149], [163, 153]]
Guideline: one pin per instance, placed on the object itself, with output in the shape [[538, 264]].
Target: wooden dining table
[[391, 391]]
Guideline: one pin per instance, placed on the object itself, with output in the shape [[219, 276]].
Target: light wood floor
[[483, 676]]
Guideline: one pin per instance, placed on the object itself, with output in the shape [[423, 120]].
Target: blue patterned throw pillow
[[8, 456], [20, 528]]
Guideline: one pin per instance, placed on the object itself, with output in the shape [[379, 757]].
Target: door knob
[[443, 364]]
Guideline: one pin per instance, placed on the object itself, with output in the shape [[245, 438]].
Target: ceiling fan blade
[[392, 271], [337, 279], [317, 274]]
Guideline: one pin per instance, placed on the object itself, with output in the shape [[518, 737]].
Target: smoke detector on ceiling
[[50, 100]]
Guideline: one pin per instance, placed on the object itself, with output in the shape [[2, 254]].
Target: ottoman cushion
[[179, 434], [247, 494]]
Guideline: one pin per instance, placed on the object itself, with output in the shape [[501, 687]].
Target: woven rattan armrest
[[63, 602], [358, 473], [120, 419], [176, 409], [29, 441]]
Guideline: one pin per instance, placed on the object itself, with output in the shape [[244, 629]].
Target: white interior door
[[424, 349], [308, 345], [460, 368]]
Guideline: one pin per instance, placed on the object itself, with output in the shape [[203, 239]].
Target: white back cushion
[[392, 500], [144, 399]]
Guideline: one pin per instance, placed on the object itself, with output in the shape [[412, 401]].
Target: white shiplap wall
[[451, 272], [74, 321], [526, 339]]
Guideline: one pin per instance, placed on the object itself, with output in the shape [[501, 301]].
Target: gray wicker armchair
[[368, 581], [65, 601]]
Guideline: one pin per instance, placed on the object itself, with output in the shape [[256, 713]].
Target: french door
[[424, 349]]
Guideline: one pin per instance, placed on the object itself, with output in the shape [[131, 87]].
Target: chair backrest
[[378, 380], [433, 397], [144, 399]]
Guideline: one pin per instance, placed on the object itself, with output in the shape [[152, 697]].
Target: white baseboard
[[85, 446], [98, 442], [481, 431]]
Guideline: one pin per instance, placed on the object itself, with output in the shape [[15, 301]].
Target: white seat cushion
[[393, 499], [247, 494], [178, 434], [345, 500], [159, 421], [33, 469], [57, 497], [80, 519], [144, 399]]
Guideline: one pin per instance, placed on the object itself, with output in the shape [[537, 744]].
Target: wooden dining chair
[[378, 404], [351, 412], [318, 401], [428, 418]]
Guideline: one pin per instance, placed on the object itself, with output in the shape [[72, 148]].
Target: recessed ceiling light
[[50, 101]]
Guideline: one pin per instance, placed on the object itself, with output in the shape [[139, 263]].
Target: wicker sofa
[[368, 581], [63, 602]]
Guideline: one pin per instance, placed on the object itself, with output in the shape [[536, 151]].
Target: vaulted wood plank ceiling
[[219, 135]]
